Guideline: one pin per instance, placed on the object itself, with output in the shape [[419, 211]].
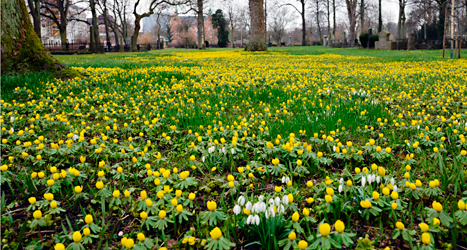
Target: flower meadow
[[228, 149]]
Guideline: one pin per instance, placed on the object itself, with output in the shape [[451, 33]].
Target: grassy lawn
[[186, 149]]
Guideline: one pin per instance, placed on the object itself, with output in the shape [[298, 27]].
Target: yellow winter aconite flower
[[394, 195], [53, 204], [215, 233], [295, 217], [277, 188], [49, 196], [162, 214], [116, 193], [324, 229], [212, 205], [37, 214], [275, 161], [424, 227], [309, 183], [400, 225], [437, 206], [394, 206], [59, 246], [328, 198], [426, 238], [32, 200], [143, 215], [141, 237], [330, 191], [77, 236], [179, 208], [302, 244], [86, 232], [99, 185], [148, 202], [365, 204], [88, 219], [461, 205], [339, 226], [375, 195], [191, 196], [292, 236]]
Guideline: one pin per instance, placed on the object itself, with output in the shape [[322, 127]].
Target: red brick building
[[184, 30]]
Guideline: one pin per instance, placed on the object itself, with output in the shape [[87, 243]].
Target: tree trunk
[[200, 24], [106, 25], [134, 37], [334, 19], [380, 18], [35, 9], [256, 42], [303, 23], [317, 22], [95, 27], [329, 23], [362, 15], [351, 12], [21, 49]]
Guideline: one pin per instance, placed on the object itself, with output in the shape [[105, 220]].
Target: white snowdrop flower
[[220, 151], [223, 150], [75, 137], [283, 179], [285, 200], [120, 233], [287, 179], [341, 181], [418, 127], [266, 214], [261, 198], [392, 181], [12, 118], [271, 201], [272, 212], [369, 179], [277, 201], [373, 178], [211, 149], [395, 188], [378, 179], [248, 220], [203, 158], [248, 206], [257, 220], [334, 148], [241, 200], [232, 151], [363, 181], [281, 209], [237, 209], [12, 130], [328, 90], [340, 188]]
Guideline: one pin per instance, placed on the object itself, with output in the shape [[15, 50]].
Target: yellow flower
[[330, 191], [277, 188], [310, 200], [386, 191], [184, 175], [99, 185], [231, 184], [143, 215], [275, 161], [324, 229], [53, 204], [306, 212], [291, 198], [394, 206], [424, 227], [436, 221], [149, 202], [381, 171], [116, 193], [365, 204], [375, 195], [426, 238], [49, 196], [129, 243], [141, 236], [126, 193], [162, 214], [179, 208], [191, 196], [302, 244], [50, 182], [357, 170], [174, 202], [349, 183], [212, 205], [292, 236], [32, 200], [86, 232], [160, 194], [59, 246], [192, 158], [37, 214], [88, 219], [394, 195], [388, 150], [339, 226], [437, 206], [328, 198], [216, 233], [319, 154], [400, 225], [295, 217], [77, 236], [461, 205], [143, 195], [309, 184]]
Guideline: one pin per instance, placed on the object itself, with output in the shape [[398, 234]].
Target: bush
[[316, 43], [364, 40]]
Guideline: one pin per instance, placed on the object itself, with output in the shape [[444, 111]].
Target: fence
[[85, 47]]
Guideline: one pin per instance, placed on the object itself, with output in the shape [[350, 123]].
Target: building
[[184, 30], [101, 24]]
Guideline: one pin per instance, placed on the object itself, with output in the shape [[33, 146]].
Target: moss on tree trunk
[[21, 49]]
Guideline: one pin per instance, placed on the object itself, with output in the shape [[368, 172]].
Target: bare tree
[[317, 21], [57, 12], [244, 20], [280, 18], [352, 15], [232, 17], [303, 15], [35, 11], [256, 42], [401, 20]]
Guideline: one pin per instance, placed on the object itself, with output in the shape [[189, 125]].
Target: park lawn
[[210, 149]]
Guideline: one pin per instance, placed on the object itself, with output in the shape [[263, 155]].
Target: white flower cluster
[[260, 208]]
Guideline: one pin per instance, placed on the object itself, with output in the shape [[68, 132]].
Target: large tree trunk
[[21, 49], [95, 27], [303, 23], [317, 22], [256, 42], [200, 24], [351, 12], [35, 9], [362, 15], [334, 19], [134, 37]]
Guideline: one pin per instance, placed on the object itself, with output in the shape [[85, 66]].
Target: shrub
[[364, 40]]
